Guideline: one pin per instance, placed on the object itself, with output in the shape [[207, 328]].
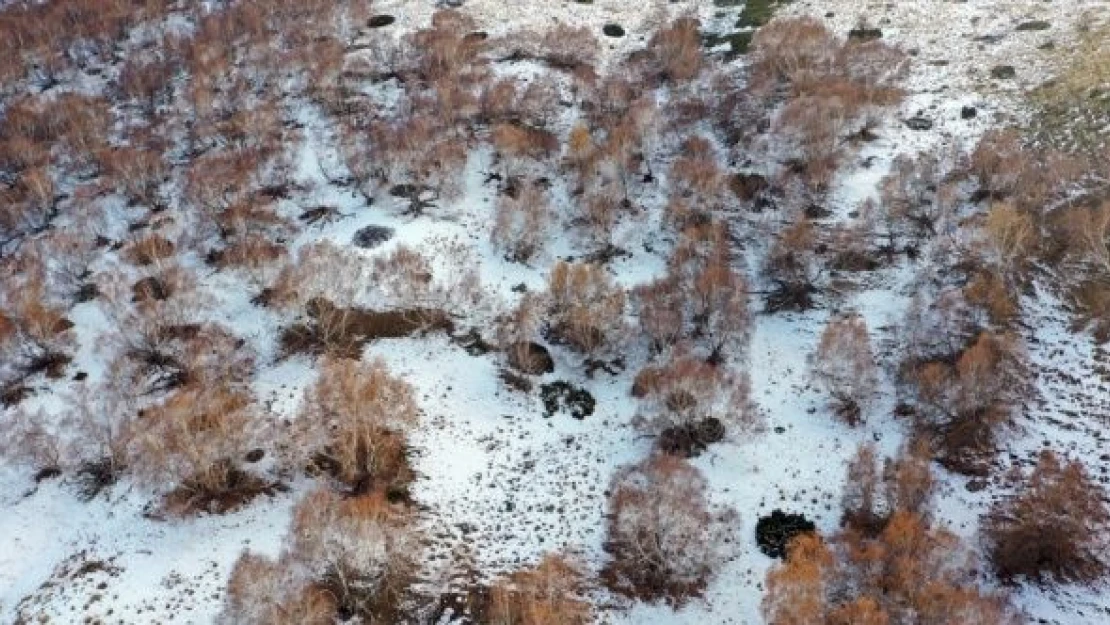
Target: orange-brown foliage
[[352, 424], [1054, 527], [549, 593]]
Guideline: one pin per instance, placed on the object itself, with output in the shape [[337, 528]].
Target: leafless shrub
[[664, 540], [964, 400], [677, 50], [361, 549], [345, 557], [261, 591], [873, 493], [690, 404], [521, 222], [845, 366], [585, 307], [791, 266]]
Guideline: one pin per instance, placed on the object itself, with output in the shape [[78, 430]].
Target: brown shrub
[[261, 591], [677, 50], [799, 51], [686, 393], [39, 338], [661, 307], [549, 593], [445, 51], [872, 494], [832, 88], [147, 82], [194, 443], [255, 253], [319, 269], [912, 193], [701, 299], [1011, 236], [343, 332], [585, 306], [791, 266], [568, 47], [149, 249], [995, 294], [345, 558], [696, 175], [352, 424], [664, 540], [1054, 527], [965, 400], [518, 145]]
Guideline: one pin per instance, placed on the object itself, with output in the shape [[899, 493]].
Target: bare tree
[[845, 366], [664, 539]]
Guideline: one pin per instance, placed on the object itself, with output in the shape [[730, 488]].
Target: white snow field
[[504, 482]]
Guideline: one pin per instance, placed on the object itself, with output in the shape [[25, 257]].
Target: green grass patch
[[756, 13]]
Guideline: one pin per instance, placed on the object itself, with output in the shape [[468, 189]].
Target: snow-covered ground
[[499, 477]]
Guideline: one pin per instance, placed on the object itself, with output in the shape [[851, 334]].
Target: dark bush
[[773, 533], [691, 439], [369, 237], [562, 395]]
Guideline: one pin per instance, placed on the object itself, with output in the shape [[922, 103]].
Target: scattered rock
[[919, 123], [974, 486], [864, 33], [87, 292], [612, 30], [369, 237], [1034, 25], [379, 21]]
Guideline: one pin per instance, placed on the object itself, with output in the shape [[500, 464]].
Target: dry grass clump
[[549, 593]]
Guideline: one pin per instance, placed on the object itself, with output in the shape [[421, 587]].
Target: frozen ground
[[496, 474]]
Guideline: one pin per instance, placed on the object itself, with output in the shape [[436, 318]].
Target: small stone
[[919, 123]]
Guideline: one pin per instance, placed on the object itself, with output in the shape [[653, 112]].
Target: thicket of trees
[[889, 564]]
